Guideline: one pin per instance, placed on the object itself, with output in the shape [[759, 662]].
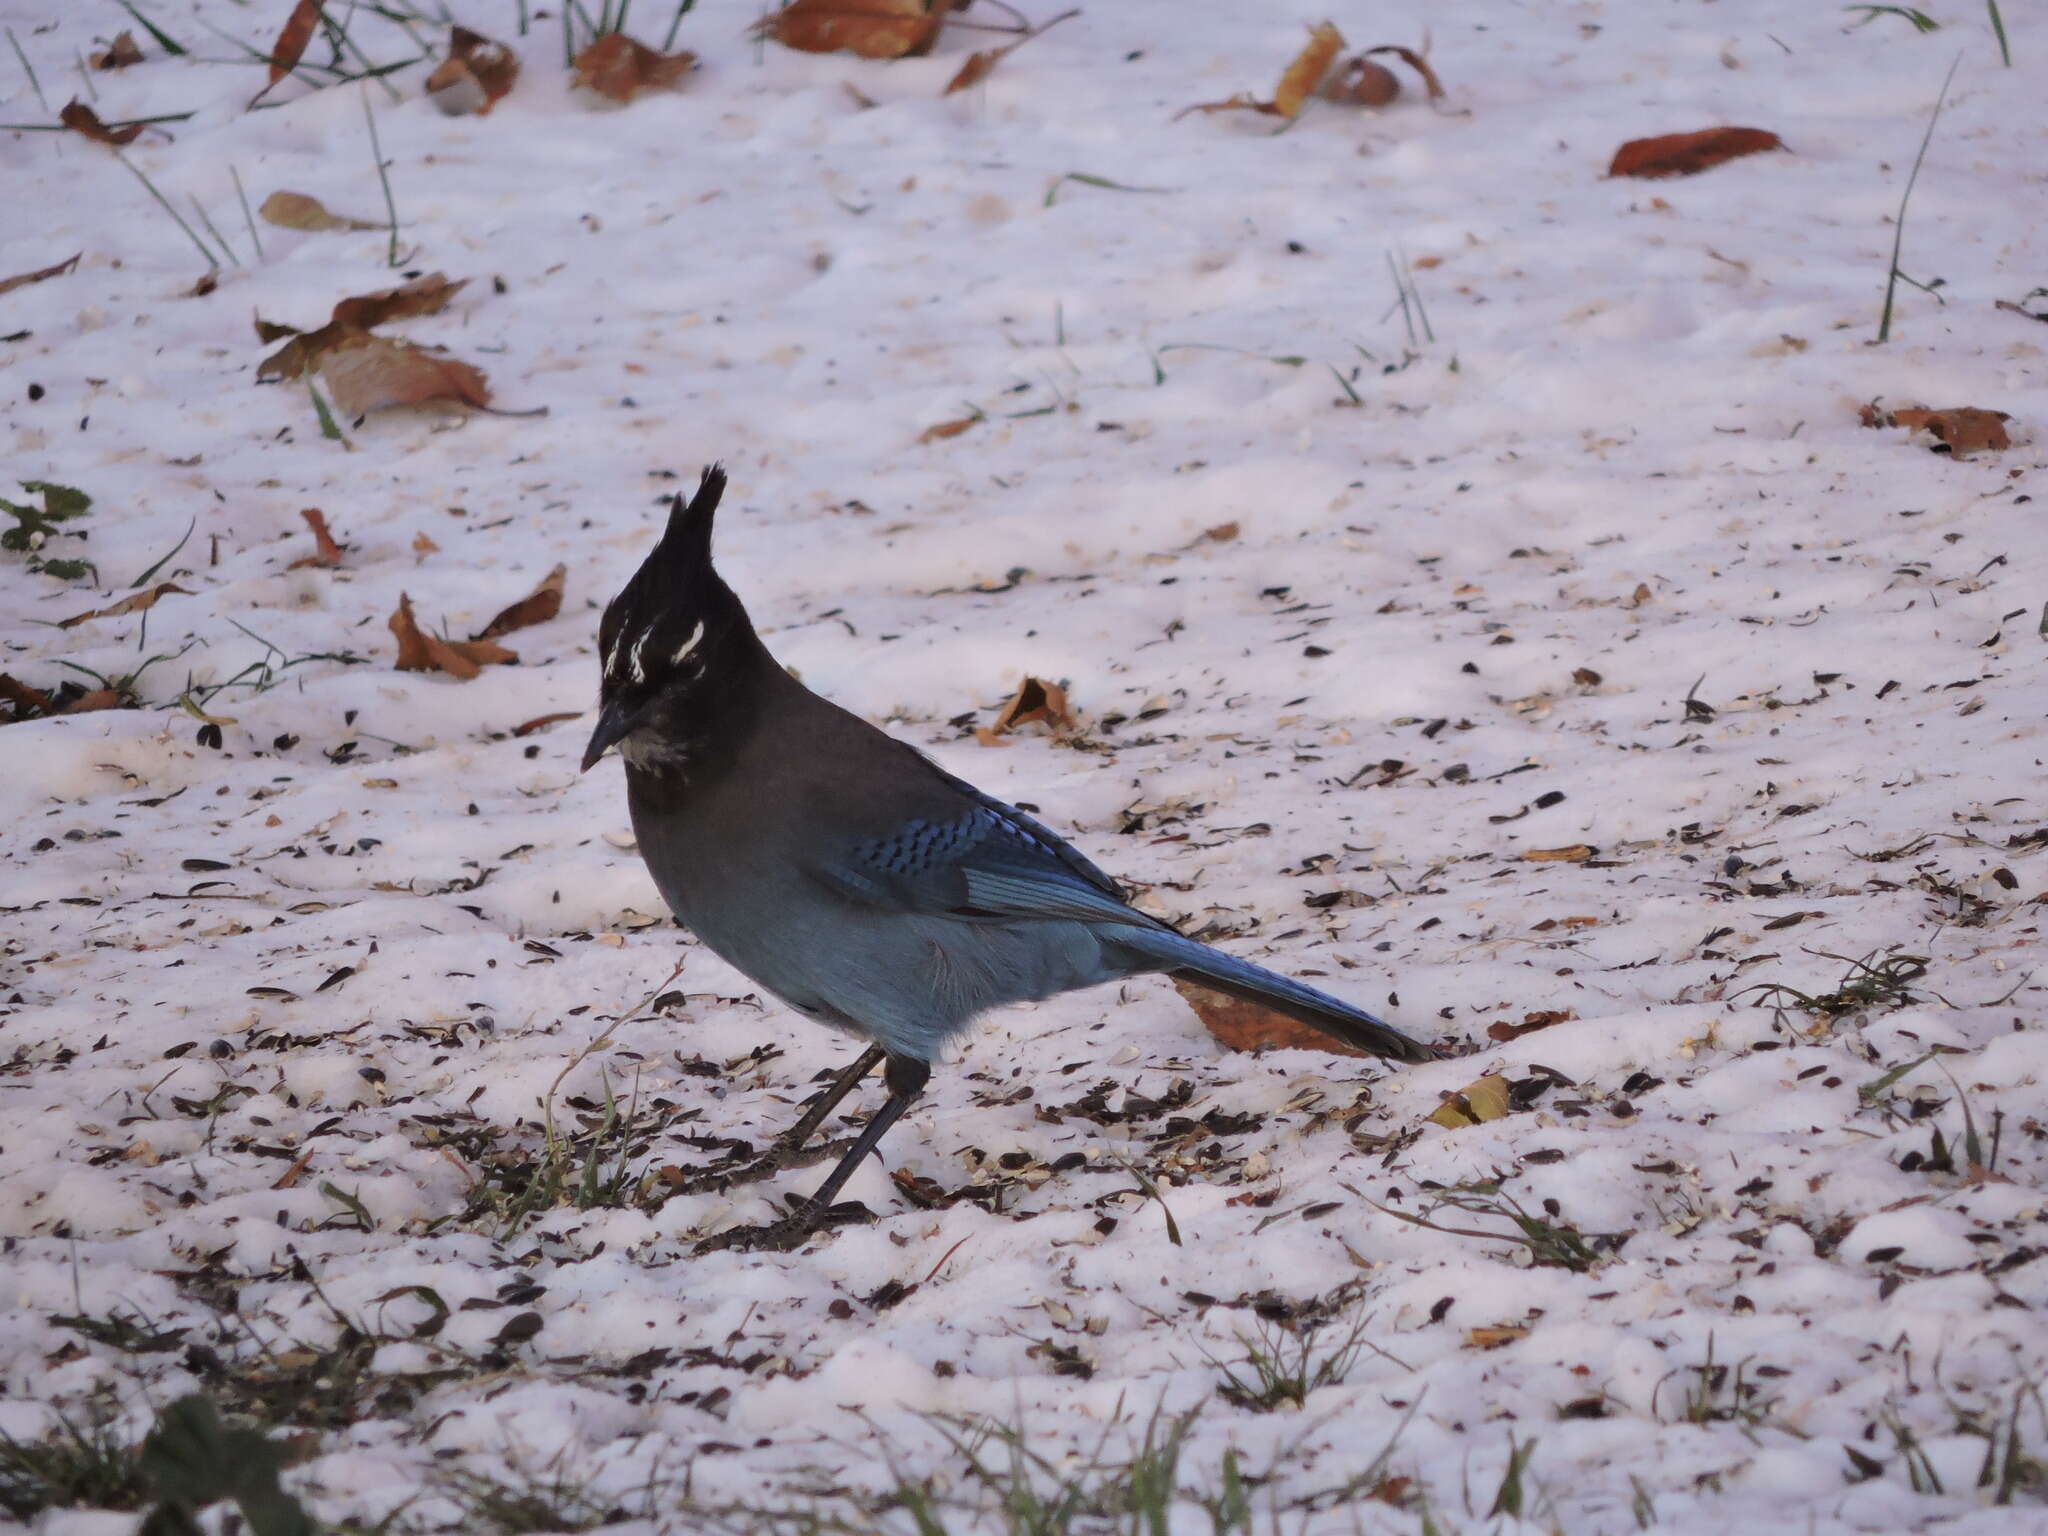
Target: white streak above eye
[[689, 645], [633, 657]]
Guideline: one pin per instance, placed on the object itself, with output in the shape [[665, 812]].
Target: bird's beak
[[614, 724]]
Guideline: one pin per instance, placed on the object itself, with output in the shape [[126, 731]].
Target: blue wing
[[976, 858]]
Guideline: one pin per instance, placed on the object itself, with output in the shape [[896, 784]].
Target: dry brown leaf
[[424, 546], [291, 42], [24, 702], [1476, 1103], [1543, 1018], [367, 373], [134, 602], [422, 652], [980, 65], [80, 118], [427, 295], [1494, 1337], [29, 703], [618, 68], [328, 552], [423, 296], [295, 210], [1222, 533], [946, 429], [1242, 1026], [537, 607], [1961, 429], [1298, 81], [1035, 702], [1687, 154], [539, 722], [475, 76], [874, 29], [290, 1177], [1415, 61], [119, 54], [9, 284], [1362, 83], [1575, 853]]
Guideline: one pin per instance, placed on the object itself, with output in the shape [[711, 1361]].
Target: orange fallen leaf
[[1575, 853], [295, 210], [1961, 429], [367, 373], [135, 602], [80, 118], [1542, 1018], [1301, 77], [537, 607], [538, 722], [618, 68], [946, 429], [290, 1176], [980, 65], [1242, 1026], [291, 42], [424, 546], [1035, 702], [1494, 1337], [873, 29], [1298, 81], [475, 76], [1687, 154], [119, 54], [328, 552], [422, 652], [9, 284], [1222, 533]]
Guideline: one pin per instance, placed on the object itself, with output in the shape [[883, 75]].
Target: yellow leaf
[[1474, 1104]]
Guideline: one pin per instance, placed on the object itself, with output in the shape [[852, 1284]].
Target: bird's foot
[[784, 1155], [805, 1219], [781, 1157]]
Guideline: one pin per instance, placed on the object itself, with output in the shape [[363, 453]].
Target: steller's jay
[[845, 872]]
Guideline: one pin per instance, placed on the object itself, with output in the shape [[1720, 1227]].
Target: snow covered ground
[[1602, 557]]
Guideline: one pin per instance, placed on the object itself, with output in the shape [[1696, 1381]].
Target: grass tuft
[[1893, 275], [1281, 1367], [75, 1466]]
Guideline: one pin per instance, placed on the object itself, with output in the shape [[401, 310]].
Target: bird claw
[[781, 1157], [804, 1220], [785, 1155]]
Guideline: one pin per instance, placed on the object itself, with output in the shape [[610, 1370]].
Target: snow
[[1626, 471]]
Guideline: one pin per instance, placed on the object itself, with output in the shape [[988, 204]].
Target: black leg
[[906, 1078], [841, 1086]]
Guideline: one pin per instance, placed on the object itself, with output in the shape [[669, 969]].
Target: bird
[[846, 873]]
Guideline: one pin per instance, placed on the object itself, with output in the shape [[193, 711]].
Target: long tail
[[1163, 950]]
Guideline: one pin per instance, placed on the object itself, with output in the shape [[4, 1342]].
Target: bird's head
[[658, 636]]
